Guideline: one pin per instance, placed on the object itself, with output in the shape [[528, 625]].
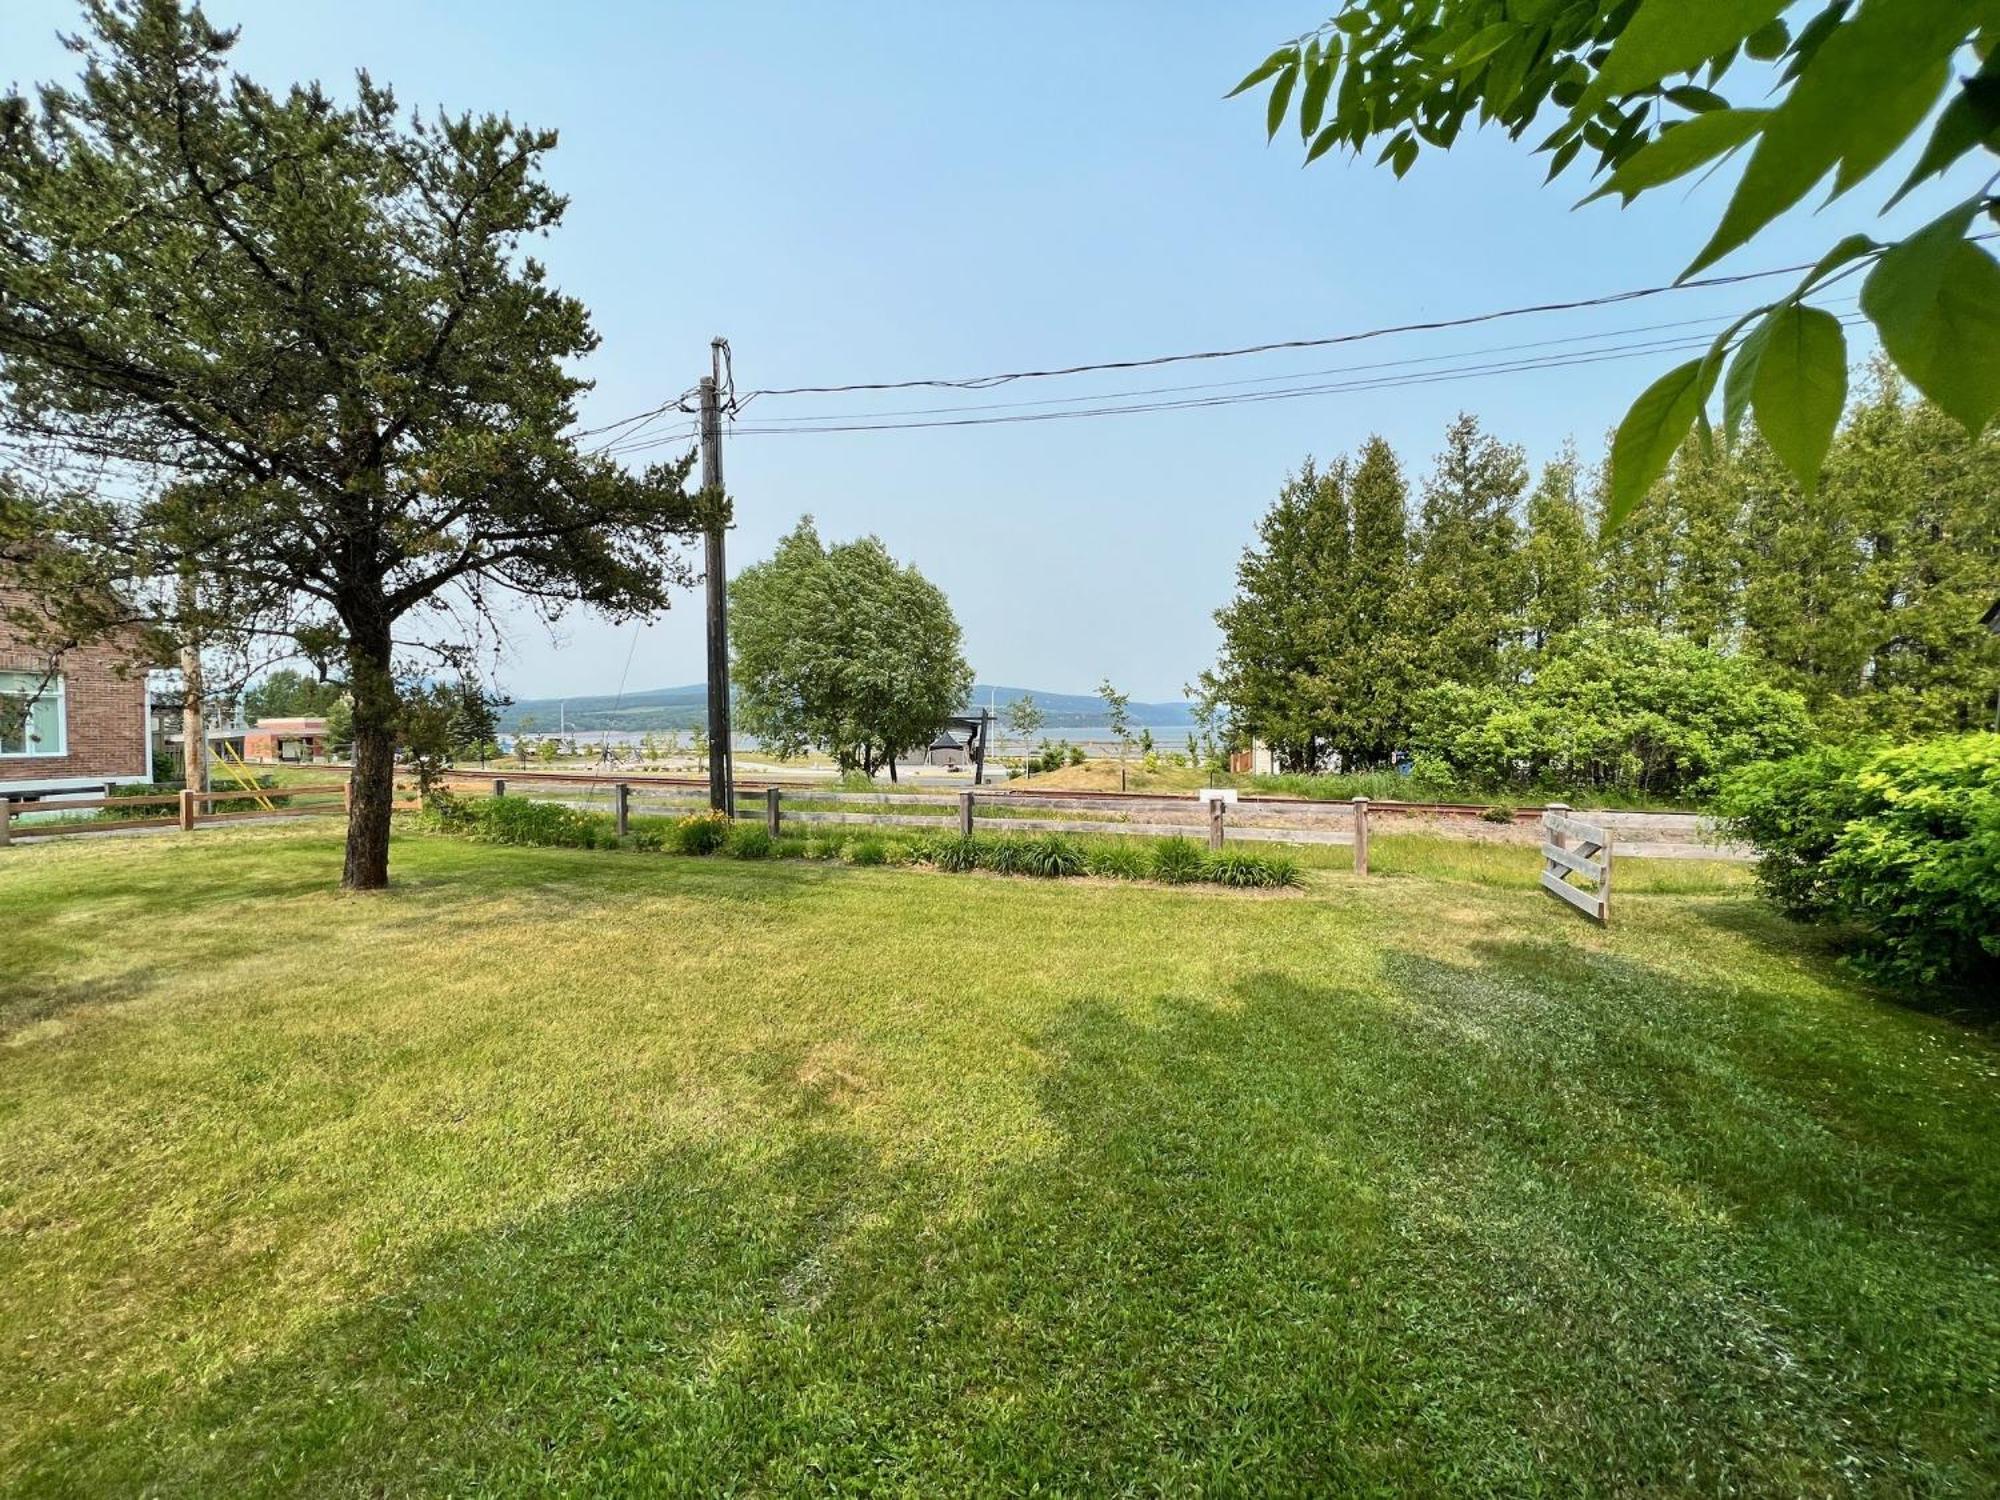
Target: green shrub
[[1918, 870], [1619, 709], [1052, 856], [956, 853], [1901, 846], [868, 850], [1500, 812], [516, 820], [652, 835], [897, 852], [823, 846], [749, 841], [1793, 811], [1117, 861], [1075, 754], [1250, 871], [1431, 779], [702, 832], [1177, 861]]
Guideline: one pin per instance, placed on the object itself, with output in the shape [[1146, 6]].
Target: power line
[[1416, 378], [1716, 321], [986, 382]]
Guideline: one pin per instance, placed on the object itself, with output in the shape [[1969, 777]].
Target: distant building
[[946, 751], [1256, 761], [290, 740], [78, 724]]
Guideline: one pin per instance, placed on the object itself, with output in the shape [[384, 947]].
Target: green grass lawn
[[622, 1174]]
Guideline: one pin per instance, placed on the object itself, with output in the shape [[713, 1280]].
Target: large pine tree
[[1557, 557], [1288, 619], [1470, 581]]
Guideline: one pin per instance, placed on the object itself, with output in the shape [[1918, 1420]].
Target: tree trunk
[[372, 783], [891, 758], [194, 719]]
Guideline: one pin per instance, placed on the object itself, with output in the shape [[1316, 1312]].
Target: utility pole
[[720, 781]]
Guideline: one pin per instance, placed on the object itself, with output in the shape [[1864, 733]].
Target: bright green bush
[[1248, 870], [516, 820], [1794, 811], [1919, 868], [824, 846], [749, 841], [1117, 861], [1902, 847], [702, 832], [789, 847], [1613, 709], [1177, 861]]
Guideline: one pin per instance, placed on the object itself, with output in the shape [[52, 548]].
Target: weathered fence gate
[[1590, 859]]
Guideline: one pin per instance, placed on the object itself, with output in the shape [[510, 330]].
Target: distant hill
[[685, 708]]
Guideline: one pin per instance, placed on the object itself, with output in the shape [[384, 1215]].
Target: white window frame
[[58, 690]]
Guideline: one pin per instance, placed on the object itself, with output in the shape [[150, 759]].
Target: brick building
[[84, 726], [286, 740]]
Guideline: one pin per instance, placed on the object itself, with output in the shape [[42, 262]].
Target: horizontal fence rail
[[1207, 814]]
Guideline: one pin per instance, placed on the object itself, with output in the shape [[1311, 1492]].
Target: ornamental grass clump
[[1176, 861], [1053, 856], [1246, 870]]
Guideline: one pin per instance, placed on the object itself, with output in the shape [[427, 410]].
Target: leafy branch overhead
[[1631, 86]]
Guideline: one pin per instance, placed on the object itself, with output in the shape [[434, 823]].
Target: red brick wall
[[106, 711]]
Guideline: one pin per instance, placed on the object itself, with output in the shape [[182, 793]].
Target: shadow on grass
[[1483, 1228]]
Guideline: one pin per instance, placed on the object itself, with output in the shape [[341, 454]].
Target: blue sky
[[903, 190]]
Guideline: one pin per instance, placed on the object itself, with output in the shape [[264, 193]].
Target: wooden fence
[[1589, 860], [189, 810]]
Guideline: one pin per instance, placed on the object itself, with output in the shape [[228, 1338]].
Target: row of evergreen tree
[[1866, 597]]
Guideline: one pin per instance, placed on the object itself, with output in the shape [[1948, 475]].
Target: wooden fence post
[[499, 786], [1215, 815], [621, 807], [772, 816], [1361, 835], [187, 809], [965, 815], [1604, 882], [6, 819], [1555, 835]]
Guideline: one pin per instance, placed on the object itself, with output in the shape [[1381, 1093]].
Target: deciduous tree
[[844, 650]]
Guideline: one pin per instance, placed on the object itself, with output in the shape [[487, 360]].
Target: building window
[[32, 717]]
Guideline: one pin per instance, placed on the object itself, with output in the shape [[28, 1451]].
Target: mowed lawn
[[555, 1171]]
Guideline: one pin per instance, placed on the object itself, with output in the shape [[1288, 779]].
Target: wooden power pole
[[720, 780]]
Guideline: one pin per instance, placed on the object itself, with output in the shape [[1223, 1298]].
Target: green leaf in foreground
[[1281, 98], [1800, 386], [1682, 149], [1869, 87], [1651, 431], [1263, 70], [1742, 379], [1674, 36], [1935, 299]]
